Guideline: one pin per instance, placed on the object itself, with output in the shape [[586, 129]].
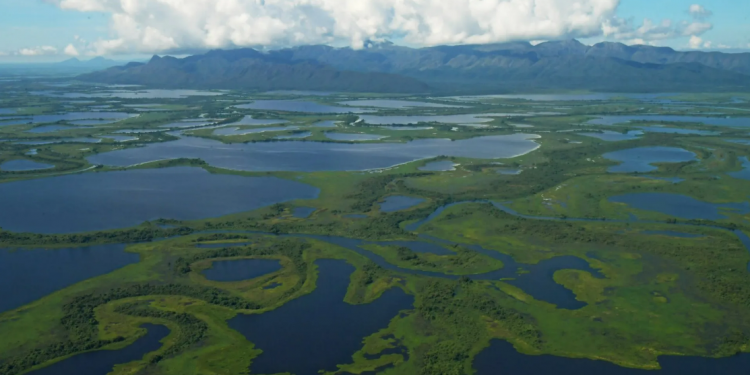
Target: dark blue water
[[671, 233], [719, 121], [28, 275], [538, 282], [318, 156], [399, 203], [23, 165], [319, 330], [501, 359], [640, 159], [101, 362], [109, 200], [681, 206], [303, 212], [240, 269], [299, 106], [354, 137], [438, 166], [611, 136], [745, 172]]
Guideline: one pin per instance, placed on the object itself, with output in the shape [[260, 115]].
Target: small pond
[[501, 358], [27, 275], [439, 166], [399, 203], [101, 362], [294, 136], [240, 269], [299, 106], [109, 200], [354, 137], [319, 156], [611, 136], [23, 165], [319, 330], [681, 206], [641, 159], [745, 172], [303, 212]]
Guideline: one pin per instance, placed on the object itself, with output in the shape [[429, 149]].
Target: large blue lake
[[29, 274], [109, 200], [319, 330], [641, 159], [299, 106], [318, 156], [396, 104]]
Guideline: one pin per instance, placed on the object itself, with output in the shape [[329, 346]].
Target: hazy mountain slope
[[249, 69]]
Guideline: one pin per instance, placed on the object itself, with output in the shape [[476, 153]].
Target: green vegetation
[[657, 294]]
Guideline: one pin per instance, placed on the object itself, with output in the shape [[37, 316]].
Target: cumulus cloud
[[71, 50], [173, 25], [38, 51], [699, 12]]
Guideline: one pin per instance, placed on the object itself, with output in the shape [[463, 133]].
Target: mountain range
[[489, 68]]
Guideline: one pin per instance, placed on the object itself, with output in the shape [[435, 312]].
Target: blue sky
[[38, 30]]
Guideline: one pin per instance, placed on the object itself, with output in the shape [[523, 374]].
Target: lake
[[681, 206], [664, 129], [27, 275], [395, 104], [319, 330], [641, 159], [399, 203], [24, 165], [109, 200], [240, 269], [101, 362], [325, 124], [501, 358], [439, 166], [319, 156], [299, 106], [49, 128], [445, 119], [354, 137], [719, 121], [611, 136]]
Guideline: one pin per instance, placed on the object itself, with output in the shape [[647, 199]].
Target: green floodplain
[[654, 294]]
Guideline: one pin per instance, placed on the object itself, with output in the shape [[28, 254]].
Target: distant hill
[[504, 67], [250, 69]]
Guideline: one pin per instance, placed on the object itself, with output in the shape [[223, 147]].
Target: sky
[[54, 30]]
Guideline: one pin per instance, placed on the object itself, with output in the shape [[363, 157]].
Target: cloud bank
[[187, 26], [172, 25]]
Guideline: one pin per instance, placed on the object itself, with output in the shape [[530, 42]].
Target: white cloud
[[38, 51], [696, 42], [71, 50], [171, 25], [699, 12]]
